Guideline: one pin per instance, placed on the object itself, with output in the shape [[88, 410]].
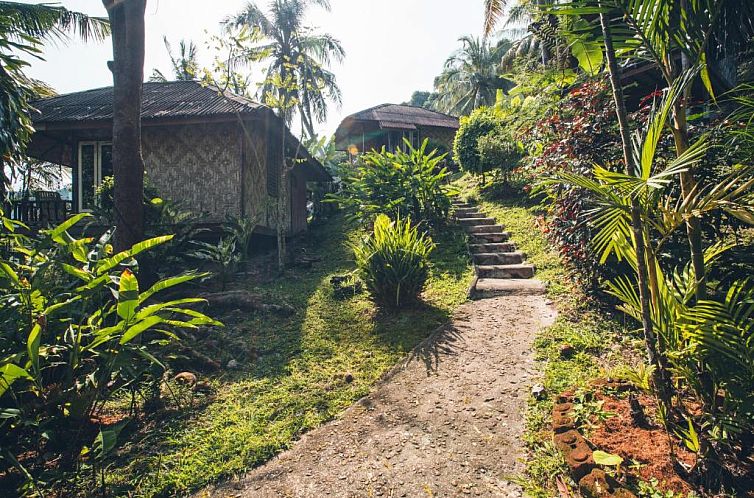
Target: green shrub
[[498, 151], [480, 123], [393, 261], [398, 183], [75, 331]]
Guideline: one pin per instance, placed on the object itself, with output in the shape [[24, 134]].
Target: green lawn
[[294, 380]]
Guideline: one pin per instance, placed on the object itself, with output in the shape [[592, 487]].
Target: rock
[[576, 452], [202, 387], [348, 378], [597, 484], [187, 378], [232, 365], [567, 351], [539, 392]]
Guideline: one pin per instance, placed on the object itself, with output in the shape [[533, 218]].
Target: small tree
[[498, 151]]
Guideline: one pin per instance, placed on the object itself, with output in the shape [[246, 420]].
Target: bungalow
[[387, 125], [215, 153]]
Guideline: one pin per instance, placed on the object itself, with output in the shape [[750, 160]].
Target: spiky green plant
[[393, 260]]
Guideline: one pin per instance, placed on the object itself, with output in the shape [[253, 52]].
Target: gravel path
[[447, 422]]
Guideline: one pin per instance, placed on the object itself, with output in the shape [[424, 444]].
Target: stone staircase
[[499, 268]]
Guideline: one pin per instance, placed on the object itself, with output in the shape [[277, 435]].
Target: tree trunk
[[661, 379], [127, 25], [282, 204], [688, 186], [3, 192]]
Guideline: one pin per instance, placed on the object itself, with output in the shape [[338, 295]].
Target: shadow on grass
[[293, 370]]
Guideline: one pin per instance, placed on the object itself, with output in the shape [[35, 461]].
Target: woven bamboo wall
[[198, 165], [256, 201], [444, 136]]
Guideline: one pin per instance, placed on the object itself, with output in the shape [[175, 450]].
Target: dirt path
[[447, 422]]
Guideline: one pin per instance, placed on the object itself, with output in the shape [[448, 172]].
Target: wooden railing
[[39, 211]]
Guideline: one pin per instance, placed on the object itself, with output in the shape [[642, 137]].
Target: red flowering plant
[[580, 130]]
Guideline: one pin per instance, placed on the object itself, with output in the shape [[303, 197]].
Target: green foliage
[[290, 379], [76, 331], [23, 28], [607, 459], [652, 489], [479, 124], [394, 261], [399, 183], [499, 151], [470, 78], [224, 256], [587, 410], [639, 376], [297, 59]]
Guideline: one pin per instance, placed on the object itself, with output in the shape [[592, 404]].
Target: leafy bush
[[398, 183], [499, 151], [161, 215], [76, 331], [480, 123], [393, 261]]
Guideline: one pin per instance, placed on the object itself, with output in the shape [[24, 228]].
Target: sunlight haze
[[393, 47]]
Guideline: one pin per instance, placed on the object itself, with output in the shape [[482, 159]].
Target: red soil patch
[[651, 446]]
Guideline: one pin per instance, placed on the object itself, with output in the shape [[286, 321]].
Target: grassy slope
[[589, 331], [296, 381]]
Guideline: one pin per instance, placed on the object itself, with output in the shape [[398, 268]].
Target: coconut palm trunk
[[127, 24], [656, 357]]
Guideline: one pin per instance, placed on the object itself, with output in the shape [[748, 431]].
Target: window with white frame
[[95, 163]]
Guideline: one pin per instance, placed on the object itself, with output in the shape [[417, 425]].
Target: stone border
[[577, 450]]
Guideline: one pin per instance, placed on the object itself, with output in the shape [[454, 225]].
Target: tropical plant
[[699, 31], [410, 183], [298, 59], [393, 261], [76, 331], [224, 257], [634, 214], [23, 30], [500, 152], [470, 77], [185, 64], [481, 123]]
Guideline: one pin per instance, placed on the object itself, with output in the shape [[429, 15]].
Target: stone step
[[462, 205], [505, 271], [488, 238], [463, 210], [469, 214], [477, 229], [492, 247], [469, 222], [491, 287], [498, 258]]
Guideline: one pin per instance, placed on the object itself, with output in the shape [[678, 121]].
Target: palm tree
[[297, 75], [23, 29], [543, 28], [127, 19], [470, 77], [185, 64]]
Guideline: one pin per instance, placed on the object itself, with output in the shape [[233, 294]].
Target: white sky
[[393, 47]]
